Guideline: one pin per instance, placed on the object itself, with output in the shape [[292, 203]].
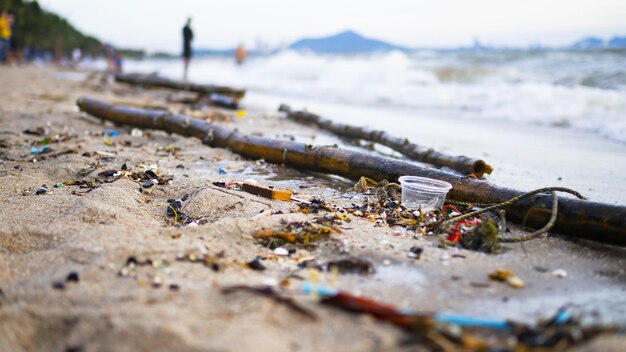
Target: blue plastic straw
[[461, 320], [319, 289], [467, 321]]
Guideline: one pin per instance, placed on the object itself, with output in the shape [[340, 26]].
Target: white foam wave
[[515, 87]]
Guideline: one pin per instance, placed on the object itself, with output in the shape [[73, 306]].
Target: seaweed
[[298, 232]]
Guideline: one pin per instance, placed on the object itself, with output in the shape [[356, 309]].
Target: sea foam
[[580, 90]]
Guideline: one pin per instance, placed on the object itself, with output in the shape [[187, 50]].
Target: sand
[[178, 305]]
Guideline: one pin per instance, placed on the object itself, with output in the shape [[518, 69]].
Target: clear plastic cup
[[422, 192]]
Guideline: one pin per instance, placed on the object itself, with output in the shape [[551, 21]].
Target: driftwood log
[[576, 218], [460, 163], [160, 82]]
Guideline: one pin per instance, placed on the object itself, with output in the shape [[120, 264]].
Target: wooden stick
[[160, 82], [576, 218], [461, 163]]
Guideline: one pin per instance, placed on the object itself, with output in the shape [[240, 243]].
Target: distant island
[[599, 43], [344, 42]]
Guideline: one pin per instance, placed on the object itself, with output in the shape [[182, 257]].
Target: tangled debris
[[480, 229], [451, 332], [383, 206], [300, 232]]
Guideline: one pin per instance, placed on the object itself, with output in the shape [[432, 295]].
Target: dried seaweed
[[299, 232]]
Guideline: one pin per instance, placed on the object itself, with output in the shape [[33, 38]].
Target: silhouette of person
[[187, 38], [6, 21], [240, 54]]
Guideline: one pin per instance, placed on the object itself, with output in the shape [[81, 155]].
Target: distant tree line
[[36, 28]]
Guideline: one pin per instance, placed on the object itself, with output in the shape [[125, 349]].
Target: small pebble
[[515, 282], [131, 261], [281, 251], [560, 273], [72, 277], [270, 281], [415, 252], [151, 174], [386, 262], [255, 264], [157, 281]]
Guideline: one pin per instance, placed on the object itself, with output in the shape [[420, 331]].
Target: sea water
[[581, 90]]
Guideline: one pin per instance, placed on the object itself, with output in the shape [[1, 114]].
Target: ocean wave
[[561, 89]]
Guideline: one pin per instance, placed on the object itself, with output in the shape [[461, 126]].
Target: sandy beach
[[136, 287]]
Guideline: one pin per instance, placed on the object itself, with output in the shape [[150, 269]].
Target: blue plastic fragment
[[467, 321], [112, 133], [39, 150], [562, 316], [318, 289], [222, 171]]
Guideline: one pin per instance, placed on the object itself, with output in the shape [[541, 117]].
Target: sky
[[155, 25]]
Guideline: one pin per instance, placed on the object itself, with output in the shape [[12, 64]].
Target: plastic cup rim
[[430, 185]]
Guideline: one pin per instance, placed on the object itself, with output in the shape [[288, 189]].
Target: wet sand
[[178, 305]]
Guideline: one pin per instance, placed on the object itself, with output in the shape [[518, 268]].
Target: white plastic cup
[[422, 192]]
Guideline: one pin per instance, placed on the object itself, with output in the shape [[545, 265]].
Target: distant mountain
[[617, 42], [598, 43], [345, 42], [206, 51], [589, 43]]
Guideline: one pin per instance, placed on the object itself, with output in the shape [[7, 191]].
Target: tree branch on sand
[[460, 163]]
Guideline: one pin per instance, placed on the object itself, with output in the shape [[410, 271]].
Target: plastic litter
[[423, 193], [111, 133], [39, 150]]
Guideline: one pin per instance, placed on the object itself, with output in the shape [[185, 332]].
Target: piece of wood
[[160, 82], [460, 163], [577, 218]]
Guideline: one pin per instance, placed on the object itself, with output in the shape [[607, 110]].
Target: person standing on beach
[[240, 54], [187, 38], [5, 34]]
